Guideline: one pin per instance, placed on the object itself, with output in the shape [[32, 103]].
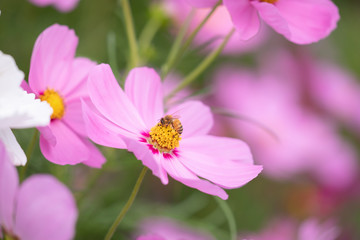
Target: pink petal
[[74, 117], [70, 148], [61, 5], [150, 160], [168, 229], [96, 159], [45, 210], [271, 15], [47, 134], [219, 147], [244, 17], [53, 51], [195, 117], [75, 87], [313, 229], [208, 163], [111, 101], [143, 87], [308, 20], [202, 3], [65, 5], [102, 131], [24, 85], [150, 237], [9, 183], [176, 170]]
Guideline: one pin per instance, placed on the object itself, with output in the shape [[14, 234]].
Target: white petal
[[18, 109], [10, 75], [15, 152], [22, 110]]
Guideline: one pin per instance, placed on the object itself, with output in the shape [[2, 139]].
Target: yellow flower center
[[164, 138], [269, 1], [55, 101]]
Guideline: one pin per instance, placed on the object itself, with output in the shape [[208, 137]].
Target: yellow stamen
[[269, 1], [164, 138], [55, 101]]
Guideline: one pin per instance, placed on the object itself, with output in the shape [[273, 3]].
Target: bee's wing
[[176, 114]]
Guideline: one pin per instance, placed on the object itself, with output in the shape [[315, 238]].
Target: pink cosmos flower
[[286, 138], [215, 29], [326, 86], [41, 208], [300, 21], [333, 90], [156, 228], [170, 83], [132, 117], [60, 79], [61, 5], [287, 229]]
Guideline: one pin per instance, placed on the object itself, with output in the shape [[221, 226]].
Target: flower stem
[[130, 32], [175, 49], [181, 50], [229, 217], [148, 33], [197, 29], [29, 150], [111, 49], [201, 67], [127, 205]]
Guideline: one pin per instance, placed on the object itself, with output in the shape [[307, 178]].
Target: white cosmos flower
[[18, 109]]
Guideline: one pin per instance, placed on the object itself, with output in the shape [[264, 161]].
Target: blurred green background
[[102, 193]]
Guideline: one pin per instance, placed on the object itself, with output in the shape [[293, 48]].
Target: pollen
[[55, 101], [164, 138], [269, 1]]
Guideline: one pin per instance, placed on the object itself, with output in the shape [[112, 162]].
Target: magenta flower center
[[55, 101]]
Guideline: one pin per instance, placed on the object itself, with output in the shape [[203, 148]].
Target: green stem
[[148, 33], [201, 67], [111, 48], [127, 205], [229, 217], [130, 32], [197, 29], [176, 46], [29, 151], [180, 51]]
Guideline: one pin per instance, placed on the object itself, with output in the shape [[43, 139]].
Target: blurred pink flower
[[287, 229], [335, 91], [134, 116], [290, 140], [61, 5], [300, 21], [325, 86], [60, 79], [169, 84], [41, 208], [168, 229], [215, 29]]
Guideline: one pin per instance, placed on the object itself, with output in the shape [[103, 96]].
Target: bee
[[173, 121]]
